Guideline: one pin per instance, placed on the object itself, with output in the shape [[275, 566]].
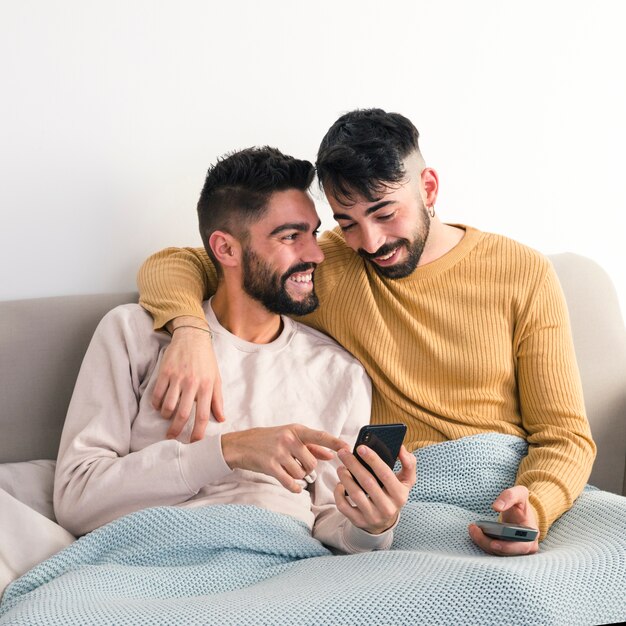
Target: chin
[[399, 270]]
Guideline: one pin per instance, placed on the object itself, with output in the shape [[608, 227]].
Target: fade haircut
[[363, 153], [238, 187]]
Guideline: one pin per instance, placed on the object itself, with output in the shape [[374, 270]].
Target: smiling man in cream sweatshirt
[[299, 397]]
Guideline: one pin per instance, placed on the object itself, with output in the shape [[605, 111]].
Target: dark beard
[[266, 286], [414, 249]]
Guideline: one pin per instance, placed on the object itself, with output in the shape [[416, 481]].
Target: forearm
[[555, 472], [94, 486], [174, 282], [561, 449]]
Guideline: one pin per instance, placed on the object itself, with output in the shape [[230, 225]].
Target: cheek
[[290, 257], [352, 239], [402, 229]]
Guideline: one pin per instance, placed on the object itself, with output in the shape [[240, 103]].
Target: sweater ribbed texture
[[476, 341]]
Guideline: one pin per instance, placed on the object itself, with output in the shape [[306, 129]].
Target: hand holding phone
[[507, 532], [385, 440], [517, 533], [375, 511]]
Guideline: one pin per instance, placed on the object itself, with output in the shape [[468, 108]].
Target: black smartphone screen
[[385, 440]]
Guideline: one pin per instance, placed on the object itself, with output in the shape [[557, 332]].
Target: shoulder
[[339, 261], [125, 337], [334, 246], [128, 315], [515, 259], [131, 323], [518, 273]]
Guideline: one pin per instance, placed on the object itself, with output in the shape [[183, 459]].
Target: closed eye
[[293, 236], [386, 217]]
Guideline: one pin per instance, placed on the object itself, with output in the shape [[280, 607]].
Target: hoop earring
[[431, 210]]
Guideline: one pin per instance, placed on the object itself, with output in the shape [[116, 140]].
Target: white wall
[[111, 112]]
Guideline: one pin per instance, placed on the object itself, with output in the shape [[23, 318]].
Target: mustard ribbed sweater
[[476, 341]]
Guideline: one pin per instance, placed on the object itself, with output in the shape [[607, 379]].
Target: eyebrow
[[302, 227], [368, 211]]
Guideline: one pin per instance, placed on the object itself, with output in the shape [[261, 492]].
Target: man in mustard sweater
[[462, 332]]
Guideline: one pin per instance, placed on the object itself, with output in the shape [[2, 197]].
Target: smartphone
[[385, 440], [507, 532]]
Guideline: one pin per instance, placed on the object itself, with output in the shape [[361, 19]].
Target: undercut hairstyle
[[238, 187], [363, 153]]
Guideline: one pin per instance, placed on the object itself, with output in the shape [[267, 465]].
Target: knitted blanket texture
[[231, 564]]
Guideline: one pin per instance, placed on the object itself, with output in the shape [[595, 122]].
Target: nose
[[371, 238], [313, 253]]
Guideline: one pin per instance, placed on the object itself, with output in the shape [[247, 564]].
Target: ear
[[225, 248], [429, 186]]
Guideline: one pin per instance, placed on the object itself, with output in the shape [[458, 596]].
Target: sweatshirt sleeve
[[331, 527], [174, 282], [98, 476], [561, 450]]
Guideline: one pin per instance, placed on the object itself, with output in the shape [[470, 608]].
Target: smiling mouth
[[302, 278], [301, 282], [387, 259], [387, 256]]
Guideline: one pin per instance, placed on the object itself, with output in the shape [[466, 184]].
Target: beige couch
[[42, 342]]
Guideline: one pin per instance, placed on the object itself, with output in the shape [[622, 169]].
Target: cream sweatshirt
[[114, 458]]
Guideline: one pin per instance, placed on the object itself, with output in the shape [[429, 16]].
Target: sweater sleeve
[[331, 527], [561, 450], [174, 282], [98, 476]]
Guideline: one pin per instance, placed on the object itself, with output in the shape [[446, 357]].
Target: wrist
[[191, 326], [189, 322], [379, 530], [230, 450], [192, 330], [360, 540], [535, 507]]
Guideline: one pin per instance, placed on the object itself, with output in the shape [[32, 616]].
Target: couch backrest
[[600, 342], [42, 343]]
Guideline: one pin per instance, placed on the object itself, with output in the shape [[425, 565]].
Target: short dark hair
[[363, 152], [238, 187]]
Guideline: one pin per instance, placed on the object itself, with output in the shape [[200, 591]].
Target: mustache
[[300, 267], [383, 250]]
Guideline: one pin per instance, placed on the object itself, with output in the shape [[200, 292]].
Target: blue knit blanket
[[244, 565]]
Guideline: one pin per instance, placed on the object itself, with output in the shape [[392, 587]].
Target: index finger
[[321, 438], [511, 497]]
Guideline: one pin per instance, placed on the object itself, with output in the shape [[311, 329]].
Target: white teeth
[[302, 278], [388, 256]]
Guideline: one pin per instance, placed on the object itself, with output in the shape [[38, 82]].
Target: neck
[[243, 316], [441, 239]]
